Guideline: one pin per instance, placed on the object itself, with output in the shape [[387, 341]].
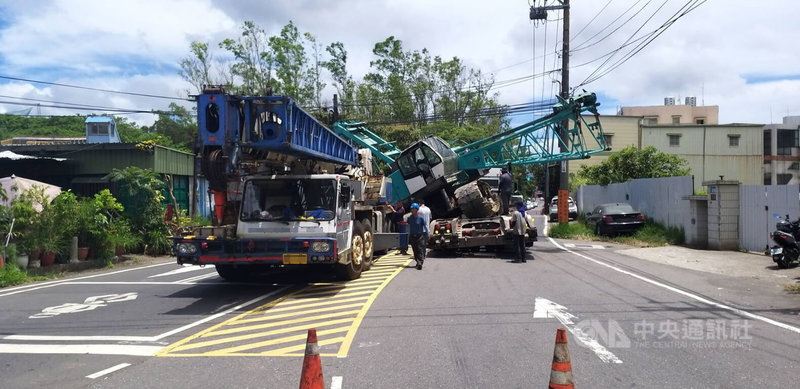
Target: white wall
[[658, 198], [757, 205]]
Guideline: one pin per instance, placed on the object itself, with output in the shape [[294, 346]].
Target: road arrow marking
[[546, 309]]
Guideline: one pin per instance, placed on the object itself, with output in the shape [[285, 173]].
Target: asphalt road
[[468, 321]]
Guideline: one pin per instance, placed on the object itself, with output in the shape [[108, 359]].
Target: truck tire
[[232, 273], [352, 270], [477, 200], [369, 244]]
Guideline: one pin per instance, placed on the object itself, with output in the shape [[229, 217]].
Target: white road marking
[[192, 280], [336, 382], [90, 304], [182, 269], [684, 293], [156, 338], [29, 288], [120, 283], [544, 309], [73, 338], [108, 371], [584, 246], [94, 349]]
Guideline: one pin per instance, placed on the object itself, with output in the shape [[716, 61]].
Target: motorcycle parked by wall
[[787, 240]]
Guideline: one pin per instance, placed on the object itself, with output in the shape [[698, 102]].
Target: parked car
[[572, 207], [614, 218]]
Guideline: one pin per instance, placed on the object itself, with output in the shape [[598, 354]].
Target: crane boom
[[538, 141]]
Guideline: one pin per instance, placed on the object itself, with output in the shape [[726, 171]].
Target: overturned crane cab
[[288, 192]]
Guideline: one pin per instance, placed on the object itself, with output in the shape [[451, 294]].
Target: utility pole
[[540, 13]]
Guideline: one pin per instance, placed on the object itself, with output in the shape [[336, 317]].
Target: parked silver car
[[573, 209]]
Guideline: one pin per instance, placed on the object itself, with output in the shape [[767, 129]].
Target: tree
[[196, 69], [337, 66], [290, 61], [253, 62], [313, 75], [631, 163]]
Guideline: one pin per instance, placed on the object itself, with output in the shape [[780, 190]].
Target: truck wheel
[[352, 270], [369, 246], [232, 273], [477, 200]]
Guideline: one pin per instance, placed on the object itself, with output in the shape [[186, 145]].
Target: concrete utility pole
[[540, 13]]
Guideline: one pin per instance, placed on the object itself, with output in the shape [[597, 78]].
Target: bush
[[570, 231], [11, 275]]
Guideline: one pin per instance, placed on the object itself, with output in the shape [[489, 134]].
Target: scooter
[[787, 249]]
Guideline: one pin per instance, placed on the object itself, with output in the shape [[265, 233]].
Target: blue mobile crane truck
[[288, 192]]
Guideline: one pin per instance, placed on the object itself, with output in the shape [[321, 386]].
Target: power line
[[93, 89], [683, 11], [116, 110], [584, 44], [99, 107], [595, 17]]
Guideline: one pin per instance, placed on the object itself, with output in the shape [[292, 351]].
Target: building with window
[[620, 132], [671, 113], [781, 155], [735, 151]]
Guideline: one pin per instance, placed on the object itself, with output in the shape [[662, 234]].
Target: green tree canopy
[[631, 163]]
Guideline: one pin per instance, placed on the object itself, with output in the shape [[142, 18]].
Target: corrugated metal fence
[[757, 206], [658, 198]]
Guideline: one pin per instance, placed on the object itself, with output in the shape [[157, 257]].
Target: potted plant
[[11, 254], [22, 257], [120, 236]]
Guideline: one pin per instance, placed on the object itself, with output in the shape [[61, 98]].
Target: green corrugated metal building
[[81, 167]]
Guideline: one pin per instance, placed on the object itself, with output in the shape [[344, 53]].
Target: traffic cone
[[311, 377], [561, 374]]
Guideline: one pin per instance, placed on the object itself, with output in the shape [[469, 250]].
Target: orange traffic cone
[[561, 374], [311, 377]]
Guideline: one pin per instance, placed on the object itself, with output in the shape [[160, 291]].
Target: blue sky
[[135, 46]]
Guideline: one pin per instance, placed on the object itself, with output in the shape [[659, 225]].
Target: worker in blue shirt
[[417, 235]]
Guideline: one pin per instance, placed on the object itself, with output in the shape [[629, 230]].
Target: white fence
[[663, 200], [658, 198], [757, 206]]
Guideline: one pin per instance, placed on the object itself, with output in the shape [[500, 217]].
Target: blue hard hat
[[414, 206]]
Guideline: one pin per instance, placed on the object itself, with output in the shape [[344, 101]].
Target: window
[[767, 179], [288, 199], [674, 139], [651, 121], [767, 142], [787, 140], [784, 179], [733, 140], [794, 166], [676, 119], [699, 120], [608, 138], [98, 128]]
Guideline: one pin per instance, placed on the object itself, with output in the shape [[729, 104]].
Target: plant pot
[[2, 261], [119, 250], [83, 253], [22, 261], [36, 254], [48, 258]]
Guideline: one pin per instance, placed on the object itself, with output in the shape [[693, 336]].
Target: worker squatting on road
[[417, 235], [518, 231]]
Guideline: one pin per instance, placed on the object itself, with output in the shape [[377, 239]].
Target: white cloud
[[136, 45]]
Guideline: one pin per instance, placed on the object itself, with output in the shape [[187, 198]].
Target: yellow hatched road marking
[[287, 330], [322, 304], [282, 322], [351, 298], [290, 314], [333, 293], [271, 342]]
